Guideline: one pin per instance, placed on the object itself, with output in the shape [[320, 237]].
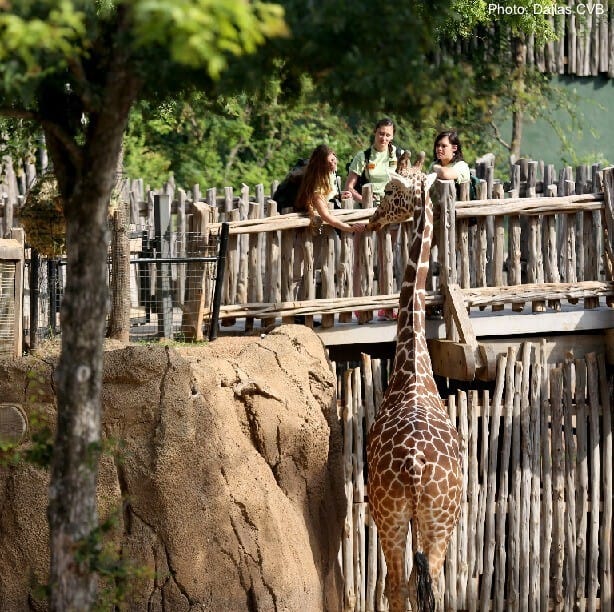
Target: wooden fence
[[539, 241], [535, 531], [533, 249], [584, 44]]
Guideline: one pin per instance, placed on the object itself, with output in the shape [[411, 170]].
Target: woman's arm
[[446, 173], [321, 206], [350, 186], [458, 172]]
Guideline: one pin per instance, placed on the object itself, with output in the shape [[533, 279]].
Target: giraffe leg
[[393, 539], [435, 548]]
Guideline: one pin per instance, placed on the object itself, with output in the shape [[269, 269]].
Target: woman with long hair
[[376, 168], [318, 187]]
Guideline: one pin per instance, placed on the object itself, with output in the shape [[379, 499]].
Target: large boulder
[[227, 482]]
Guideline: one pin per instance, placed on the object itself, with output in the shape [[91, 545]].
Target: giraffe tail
[[424, 584]]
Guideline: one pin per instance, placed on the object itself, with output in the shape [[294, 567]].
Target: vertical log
[[571, 43], [193, 310], [607, 522], [232, 263], [608, 224], [472, 503], [535, 267], [309, 272], [547, 505], [581, 488], [119, 319], [254, 265], [525, 469], [502, 497], [514, 269], [499, 247], [452, 554], [327, 258], [345, 268], [371, 545], [359, 493], [363, 270], [558, 488], [489, 527], [272, 260], [243, 245], [480, 544], [181, 246], [463, 523], [595, 480], [589, 248], [514, 502], [347, 549], [378, 393], [287, 269], [536, 486], [570, 484]]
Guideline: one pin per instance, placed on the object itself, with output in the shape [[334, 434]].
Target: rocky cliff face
[[228, 481]]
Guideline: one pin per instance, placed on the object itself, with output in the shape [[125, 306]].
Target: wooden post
[[164, 298], [272, 262], [346, 265], [349, 603], [119, 317], [558, 487], [499, 246], [608, 224], [327, 258], [193, 310], [181, 245], [254, 266]]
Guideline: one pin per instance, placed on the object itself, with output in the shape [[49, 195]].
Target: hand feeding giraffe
[[414, 464]]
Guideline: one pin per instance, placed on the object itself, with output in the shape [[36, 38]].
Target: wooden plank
[[454, 360]]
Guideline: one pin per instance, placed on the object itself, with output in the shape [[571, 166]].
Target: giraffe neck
[[412, 354]]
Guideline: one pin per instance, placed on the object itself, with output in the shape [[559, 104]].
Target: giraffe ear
[[430, 179]]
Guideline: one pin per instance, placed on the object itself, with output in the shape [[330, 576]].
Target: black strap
[[367, 158]]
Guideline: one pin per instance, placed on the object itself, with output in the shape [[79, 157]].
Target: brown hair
[[454, 140], [315, 179]]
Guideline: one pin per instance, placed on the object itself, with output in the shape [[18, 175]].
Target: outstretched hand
[[359, 228]]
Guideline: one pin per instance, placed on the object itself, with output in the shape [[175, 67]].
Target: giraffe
[[414, 464]]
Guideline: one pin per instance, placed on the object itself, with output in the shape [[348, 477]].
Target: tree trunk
[[86, 176], [519, 55]]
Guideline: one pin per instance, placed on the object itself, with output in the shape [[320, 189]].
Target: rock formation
[[227, 480]]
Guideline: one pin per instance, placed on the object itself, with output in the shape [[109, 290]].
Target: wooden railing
[[534, 250]]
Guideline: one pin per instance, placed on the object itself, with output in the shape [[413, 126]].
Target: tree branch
[[85, 92], [498, 136], [72, 148]]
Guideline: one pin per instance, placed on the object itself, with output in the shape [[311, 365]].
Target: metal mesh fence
[[171, 285], [168, 290], [7, 309]]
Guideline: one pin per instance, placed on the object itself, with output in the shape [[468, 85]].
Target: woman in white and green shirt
[[382, 161]]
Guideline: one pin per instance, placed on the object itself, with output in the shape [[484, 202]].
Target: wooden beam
[[454, 307], [452, 359]]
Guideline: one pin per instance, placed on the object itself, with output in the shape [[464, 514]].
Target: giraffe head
[[401, 195]]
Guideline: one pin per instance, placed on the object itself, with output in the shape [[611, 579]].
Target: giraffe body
[[414, 465]]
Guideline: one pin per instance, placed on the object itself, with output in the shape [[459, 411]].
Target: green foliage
[[233, 139], [100, 553]]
